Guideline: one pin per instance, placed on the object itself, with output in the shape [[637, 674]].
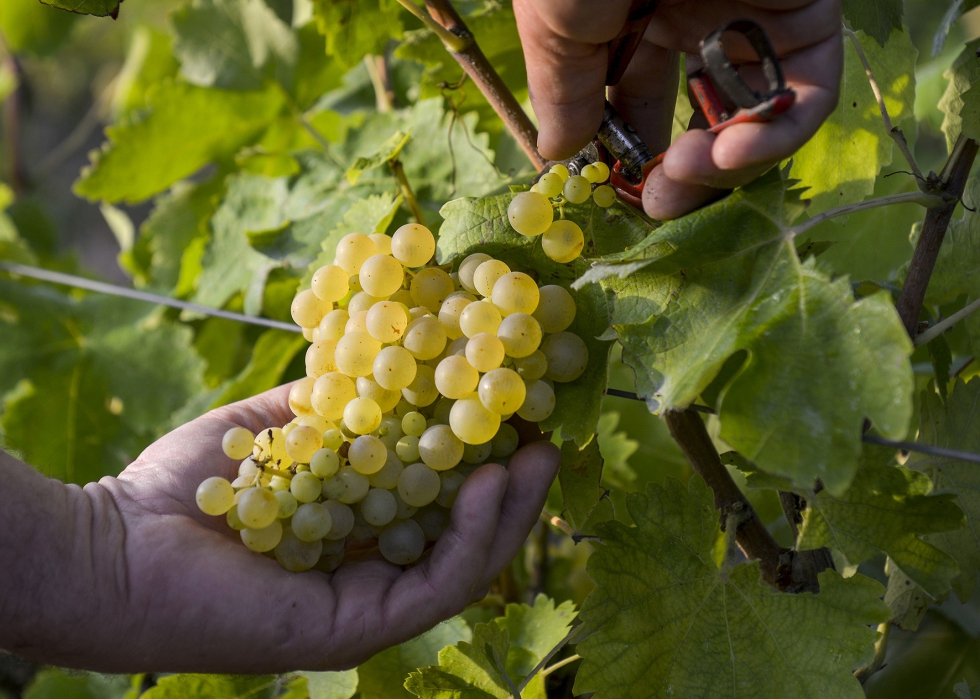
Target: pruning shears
[[724, 97]]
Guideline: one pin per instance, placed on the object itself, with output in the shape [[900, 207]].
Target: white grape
[[382, 243], [515, 293], [341, 520], [215, 496], [450, 482], [232, 519], [257, 508], [413, 245], [476, 453], [357, 485], [334, 324], [378, 507], [305, 487], [531, 367], [425, 338], [577, 189], [362, 301], [472, 422], [367, 455], [422, 391], [567, 356], [430, 287], [479, 317], [407, 449], [556, 308], [560, 170], [520, 335], [248, 468], [502, 391], [331, 394], [486, 275], [530, 213], [295, 555], [550, 185], [334, 487], [563, 242], [387, 321], [505, 442], [237, 443], [418, 485], [262, 539], [369, 388], [394, 368], [381, 275], [439, 448], [402, 542], [449, 315], [299, 398], [355, 354], [387, 477], [604, 196], [287, 504], [455, 377], [307, 310], [302, 442], [467, 268], [311, 522], [330, 284], [539, 402], [352, 251], [362, 416]]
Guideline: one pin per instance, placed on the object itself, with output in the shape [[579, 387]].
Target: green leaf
[[212, 687], [961, 102], [233, 44], [889, 509], [185, 128], [955, 425], [148, 62], [907, 601], [390, 150], [876, 18], [99, 8], [356, 28], [384, 675], [669, 623], [98, 378], [579, 478], [331, 685], [60, 684], [616, 448], [30, 27], [840, 163], [273, 352], [514, 644]]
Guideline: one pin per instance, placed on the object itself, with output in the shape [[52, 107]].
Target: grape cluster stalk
[[412, 375], [532, 213]]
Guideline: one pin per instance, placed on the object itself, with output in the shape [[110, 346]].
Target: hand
[[197, 600], [565, 45]]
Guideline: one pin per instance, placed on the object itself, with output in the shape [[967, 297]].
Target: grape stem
[[398, 170], [926, 200], [934, 331]]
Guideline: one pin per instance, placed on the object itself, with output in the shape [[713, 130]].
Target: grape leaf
[[148, 62], [356, 28], [888, 508], [876, 18], [384, 675], [388, 151], [233, 44], [514, 643], [907, 601], [617, 448], [58, 684], [185, 128], [961, 102], [331, 685], [668, 622], [30, 27], [98, 378], [212, 687], [99, 8], [271, 355], [579, 477], [955, 425], [840, 163]]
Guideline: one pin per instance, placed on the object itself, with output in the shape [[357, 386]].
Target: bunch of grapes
[[532, 213], [412, 375]]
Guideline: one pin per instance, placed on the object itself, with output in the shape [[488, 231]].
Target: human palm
[[208, 603]]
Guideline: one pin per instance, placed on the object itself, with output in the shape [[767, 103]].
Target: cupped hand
[[198, 600], [565, 46]]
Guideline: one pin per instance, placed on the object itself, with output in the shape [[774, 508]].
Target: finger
[[664, 199], [565, 49], [269, 409], [445, 582], [647, 93], [532, 470]]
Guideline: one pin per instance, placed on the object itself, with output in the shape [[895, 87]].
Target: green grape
[[352, 251], [539, 402], [362, 416], [381, 275], [486, 275], [433, 521], [485, 352], [404, 509], [418, 485], [355, 354], [378, 507], [394, 368], [386, 321], [560, 170], [502, 391], [567, 356], [407, 449], [577, 189], [505, 442], [604, 196], [515, 293], [440, 414], [299, 399], [295, 555], [287, 504], [531, 367], [369, 388], [413, 245], [425, 338], [215, 496], [311, 522], [341, 520], [302, 442], [237, 443], [233, 520], [362, 301], [305, 487], [278, 484], [307, 310], [556, 308], [450, 482], [262, 539], [439, 448], [603, 170], [430, 287], [479, 317], [357, 485], [332, 439], [333, 325], [467, 268], [476, 453], [367, 455], [413, 424], [334, 488], [455, 377], [402, 542], [329, 283], [422, 391], [563, 242], [472, 422], [387, 477], [257, 508], [449, 315], [530, 213], [331, 394], [550, 185], [520, 335]]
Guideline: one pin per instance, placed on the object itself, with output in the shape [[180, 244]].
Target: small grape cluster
[[411, 379], [532, 213]]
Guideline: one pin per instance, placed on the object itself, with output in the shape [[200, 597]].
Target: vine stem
[[934, 331], [406, 188], [926, 200], [952, 182], [376, 70], [443, 19], [896, 133]]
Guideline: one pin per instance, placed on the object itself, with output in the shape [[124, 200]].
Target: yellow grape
[[355, 354], [367, 455], [457, 346], [387, 476], [287, 503], [595, 172], [378, 507], [387, 321], [333, 324], [418, 485], [531, 367], [422, 391], [515, 293], [550, 185], [330, 284], [439, 448], [305, 487], [341, 520], [215, 496], [407, 449], [404, 297], [382, 243], [472, 422], [362, 416], [270, 445], [556, 308], [257, 508], [394, 368], [577, 189], [357, 485], [357, 323], [352, 250], [413, 424], [467, 268], [413, 245], [502, 391], [237, 443], [567, 356], [318, 422], [263, 539], [324, 463], [430, 287], [604, 196], [455, 377], [539, 402], [479, 317], [381, 275], [449, 315], [331, 394], [307, 310], [368, 388], [311, 522], [485, 352], [425, 338], [362, 301], [320, 358], [302, 442], [563, 242], [530, 213], [487, 274], [520, 334], [308, 334], [560, 170], [299, 397]]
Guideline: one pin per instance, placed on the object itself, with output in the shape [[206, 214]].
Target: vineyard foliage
[[257, 133]]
